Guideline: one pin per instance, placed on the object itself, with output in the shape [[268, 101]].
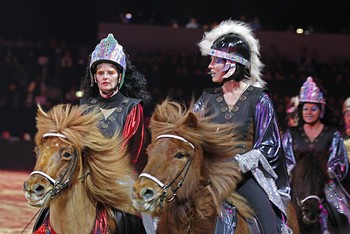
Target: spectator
[[192, 24]]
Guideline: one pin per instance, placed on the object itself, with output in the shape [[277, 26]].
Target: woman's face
[[106, 77], [347, 118], [216, 67], [311, 113]]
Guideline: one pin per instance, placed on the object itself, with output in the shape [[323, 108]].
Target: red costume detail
[[100, 227], [134, 124]]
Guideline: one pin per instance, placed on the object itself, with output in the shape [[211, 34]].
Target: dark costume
[[265, 184], [125, 116], [295, 142], [122, 106], [254, 110], [122, 113]]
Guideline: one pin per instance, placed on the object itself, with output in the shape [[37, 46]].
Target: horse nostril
[[147, 194], [38, 189]]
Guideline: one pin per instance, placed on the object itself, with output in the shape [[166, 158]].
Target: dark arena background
[[44, 46]]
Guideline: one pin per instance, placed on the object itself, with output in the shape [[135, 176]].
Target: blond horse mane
[[218, 142], [104, 159]]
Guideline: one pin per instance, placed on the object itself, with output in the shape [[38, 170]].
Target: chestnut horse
[[83, 177], [190, 173], [309, 180]]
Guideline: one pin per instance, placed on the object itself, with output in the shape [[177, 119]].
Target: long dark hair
[[329, 118], [134, 83]]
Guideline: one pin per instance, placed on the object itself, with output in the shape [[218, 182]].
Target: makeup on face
[[313, 108]]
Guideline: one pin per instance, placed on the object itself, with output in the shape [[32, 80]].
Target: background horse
[[309, 177], [82, 176], [190, 172]]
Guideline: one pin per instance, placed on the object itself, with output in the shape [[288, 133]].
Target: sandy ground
[[15, 213]]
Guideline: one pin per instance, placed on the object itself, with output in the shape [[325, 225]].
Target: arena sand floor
[[15, 212]]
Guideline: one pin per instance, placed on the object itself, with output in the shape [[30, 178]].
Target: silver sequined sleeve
[[338, 158]]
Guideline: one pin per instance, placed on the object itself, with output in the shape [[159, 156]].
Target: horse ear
[[191, 120], [40, 111]]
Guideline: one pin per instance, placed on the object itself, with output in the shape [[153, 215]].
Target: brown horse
[[189, 173], [81, 176], [309, 178]]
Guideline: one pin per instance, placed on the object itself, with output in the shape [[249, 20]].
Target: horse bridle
[[301, 203], [185, 169], [59, 185]]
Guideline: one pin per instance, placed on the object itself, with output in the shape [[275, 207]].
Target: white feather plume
[[243, 30]]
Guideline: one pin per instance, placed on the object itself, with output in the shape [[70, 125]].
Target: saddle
[[126, 223]]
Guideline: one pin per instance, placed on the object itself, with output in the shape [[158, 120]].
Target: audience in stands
[[35, 72]]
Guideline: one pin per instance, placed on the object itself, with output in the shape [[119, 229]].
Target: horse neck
[[72, 211], [196, 213]]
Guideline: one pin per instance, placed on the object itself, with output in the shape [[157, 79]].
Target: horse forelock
[[217, 140], [172, 117], [106, 160], [73, 121]]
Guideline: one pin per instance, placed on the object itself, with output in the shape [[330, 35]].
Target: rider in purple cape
[[315, 134], [243, 99]]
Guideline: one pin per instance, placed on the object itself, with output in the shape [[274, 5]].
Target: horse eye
[[67, 155], [179, 155]]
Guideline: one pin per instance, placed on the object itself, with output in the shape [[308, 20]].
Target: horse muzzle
[[145, 199], [37, 192], [309, 217]]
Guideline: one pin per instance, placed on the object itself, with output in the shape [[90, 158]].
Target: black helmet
[[235, 42], [234, 48]]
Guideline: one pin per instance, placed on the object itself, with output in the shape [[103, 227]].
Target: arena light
[[299, 31], [128, 16], [79, 94]]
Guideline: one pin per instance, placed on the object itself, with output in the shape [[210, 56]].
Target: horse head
[[55, 169], [190, 169], [309, 177], [78, 171], [58, 160], [173, 168]]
